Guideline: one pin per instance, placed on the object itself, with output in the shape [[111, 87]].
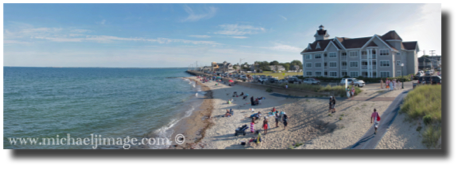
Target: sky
[[181, 35]]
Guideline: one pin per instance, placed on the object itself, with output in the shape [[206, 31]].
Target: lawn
[[278, 75]]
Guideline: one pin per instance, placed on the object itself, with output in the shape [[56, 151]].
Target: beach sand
[[309, 121]]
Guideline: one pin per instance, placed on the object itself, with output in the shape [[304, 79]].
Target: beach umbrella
[[218, 77]]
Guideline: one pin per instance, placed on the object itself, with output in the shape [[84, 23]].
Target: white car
[[311, 81], [359, 83]]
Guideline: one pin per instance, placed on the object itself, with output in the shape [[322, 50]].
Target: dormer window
[[318, 46], [309, 47]]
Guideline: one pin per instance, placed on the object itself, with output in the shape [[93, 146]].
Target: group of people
[[256, 101], [350, 92], [279, 116], [391, 84]]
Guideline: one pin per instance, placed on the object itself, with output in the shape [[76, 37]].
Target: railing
[[364, 66], [373, 56]]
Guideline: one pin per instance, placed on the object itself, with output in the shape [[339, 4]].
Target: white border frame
[[390, 63]]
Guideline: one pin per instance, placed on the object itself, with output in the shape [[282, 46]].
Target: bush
[[427, 120], [431, 136], [269, 90]]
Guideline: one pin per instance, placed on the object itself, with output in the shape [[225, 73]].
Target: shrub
[[427, 119], [431, 136], [269, 90], [341, 118]]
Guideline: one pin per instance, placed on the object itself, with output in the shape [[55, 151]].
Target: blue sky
[[178, 35]]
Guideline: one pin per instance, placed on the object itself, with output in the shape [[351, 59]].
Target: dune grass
[[425, 102]]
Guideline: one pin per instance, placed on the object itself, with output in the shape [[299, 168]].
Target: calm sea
[[111, 102]]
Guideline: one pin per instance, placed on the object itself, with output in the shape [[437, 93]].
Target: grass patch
[[425, 102], [340, 118], [269, 90], [329, 114]]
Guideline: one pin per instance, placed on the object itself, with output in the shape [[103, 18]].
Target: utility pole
[[432, 52]]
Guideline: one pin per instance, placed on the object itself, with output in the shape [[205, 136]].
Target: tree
[[275, 62], [297, 62], [286, 65]]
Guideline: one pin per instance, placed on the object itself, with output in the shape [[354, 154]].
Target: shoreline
[[194, 127]]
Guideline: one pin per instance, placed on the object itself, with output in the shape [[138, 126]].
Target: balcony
[[373, 56], [364, 57], [343, 57], [364, 67]]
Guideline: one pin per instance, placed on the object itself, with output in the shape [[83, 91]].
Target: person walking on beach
[[381, 83], [252, 101], [333, 103], [285, 121], [348, 92], [375, 117], [265, 125], [330, 103], [277, 119]]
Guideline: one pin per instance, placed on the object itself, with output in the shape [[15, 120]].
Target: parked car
[[273, 80], [427, 80], [294, 80], [358, 83], [311, 81], [243, 77], [282, 81]]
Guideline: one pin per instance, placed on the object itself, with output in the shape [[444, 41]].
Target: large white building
[[375, 56]]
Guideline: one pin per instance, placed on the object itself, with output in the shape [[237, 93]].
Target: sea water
[[111, 102]]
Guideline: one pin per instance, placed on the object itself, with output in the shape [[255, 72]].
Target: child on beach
[[265, 126], [285, 121], [352, 91], [277, 118]]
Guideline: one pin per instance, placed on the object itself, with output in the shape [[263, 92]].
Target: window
[[398, 74], [343, 73], [344, 64], [308, 73], [385, 74], [365, 74], [364, 63], [318, 74], [307, 56], [332, 64], [326, 64], [374, 74], [332, 54], [318, 64], [384, 63], [354, 64], [308, 64], [326, 73], [333, 74], [343, 53], [364, 53], [398, 62], [318, 55], [353, 53], [374, 63], [383, 52], [354, 74]]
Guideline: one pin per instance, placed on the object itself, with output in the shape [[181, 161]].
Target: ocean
[[111, 102]]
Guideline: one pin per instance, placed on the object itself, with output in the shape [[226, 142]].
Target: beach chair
[[241, 130]]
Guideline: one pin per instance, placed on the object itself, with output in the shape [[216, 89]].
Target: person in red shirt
[[375, 117]]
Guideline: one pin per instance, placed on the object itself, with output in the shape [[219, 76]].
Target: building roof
[[323, 44], [391, 35], [410, 45], [354, 42]]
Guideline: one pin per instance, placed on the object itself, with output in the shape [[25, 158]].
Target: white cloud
[[102, 22], [200, 36], [239, 37], [193, 16], [235, 29], [283, 47], [283, 17]]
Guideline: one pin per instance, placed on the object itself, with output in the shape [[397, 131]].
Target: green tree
[[275, 62], [286, 65], [297, 62]]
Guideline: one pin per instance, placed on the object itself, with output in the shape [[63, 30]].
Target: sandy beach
[[309, 121]]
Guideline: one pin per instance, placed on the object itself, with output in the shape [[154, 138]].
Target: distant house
[[425, 63], [276, 68], [294, 68], [222, 67]]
